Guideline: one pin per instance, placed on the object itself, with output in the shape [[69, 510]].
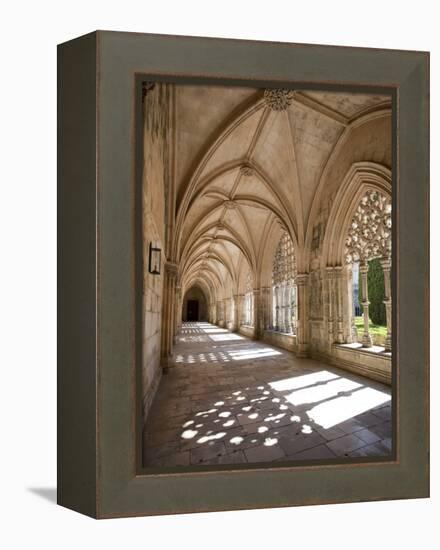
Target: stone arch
[[195, 296], [361, 177]]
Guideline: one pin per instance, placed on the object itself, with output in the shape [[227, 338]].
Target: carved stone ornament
[[246, 170], [230, 205], [369, 233], [278, 99]]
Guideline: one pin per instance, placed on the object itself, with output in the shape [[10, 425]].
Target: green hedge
[[376, 292]]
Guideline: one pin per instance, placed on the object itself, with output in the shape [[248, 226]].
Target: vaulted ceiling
[[249, 162]]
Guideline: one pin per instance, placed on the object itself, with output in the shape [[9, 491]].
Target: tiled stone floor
[[230, 400]]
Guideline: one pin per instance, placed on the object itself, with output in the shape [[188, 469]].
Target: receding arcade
[[269, 207]]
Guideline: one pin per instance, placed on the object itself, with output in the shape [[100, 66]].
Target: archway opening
[[194, 305]]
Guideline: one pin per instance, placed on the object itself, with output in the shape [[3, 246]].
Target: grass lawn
[[374, 330]]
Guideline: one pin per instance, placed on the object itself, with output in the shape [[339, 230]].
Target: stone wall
[[154, 194], [285, 341]]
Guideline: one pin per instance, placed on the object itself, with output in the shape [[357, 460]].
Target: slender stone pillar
[[219, 312], [330, 305], [265, 308], [352, 330], [302, 281], [386, 266], [256, 312], [277, 308], [366, 337], [169, 311], [178, 312], [236, 323], [293, 305], [338, 291], [288, 317]]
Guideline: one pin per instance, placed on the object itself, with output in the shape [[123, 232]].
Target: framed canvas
[[243, 269]]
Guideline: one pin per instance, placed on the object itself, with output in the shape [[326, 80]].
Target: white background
[[29, 34]]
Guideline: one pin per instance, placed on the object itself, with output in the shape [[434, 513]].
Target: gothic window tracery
[[369, 234], [284, 286], [369, 238]]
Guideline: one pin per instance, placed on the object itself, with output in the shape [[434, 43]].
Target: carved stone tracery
[[369, 237], [283, 282], [369, 234]]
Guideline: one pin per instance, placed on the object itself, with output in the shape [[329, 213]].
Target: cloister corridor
[[227, 399]]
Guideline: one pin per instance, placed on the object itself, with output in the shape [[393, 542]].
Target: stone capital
[[302, 279], [171, 269], [385, 263], [363, 267]]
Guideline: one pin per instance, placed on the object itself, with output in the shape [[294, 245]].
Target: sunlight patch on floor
[[338, 410]]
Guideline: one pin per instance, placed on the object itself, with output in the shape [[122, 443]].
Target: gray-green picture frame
[[99, 86]]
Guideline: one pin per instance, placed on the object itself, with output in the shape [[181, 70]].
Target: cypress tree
[[376, 292]]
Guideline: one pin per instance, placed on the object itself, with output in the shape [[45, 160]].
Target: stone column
[[288, 317], [169, 311], [236, 313], [293, 305], [277, 308], [338, 291], [265, 308], [219, 312], [255, 319], [302, 338], [386, 266], [178, 310], [330, 305], [231, 313], [352, 330], [366, 337]]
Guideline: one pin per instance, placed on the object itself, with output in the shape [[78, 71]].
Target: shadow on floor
[[48, 493]]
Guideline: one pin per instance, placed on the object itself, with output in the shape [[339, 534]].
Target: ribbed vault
[[250, 165]]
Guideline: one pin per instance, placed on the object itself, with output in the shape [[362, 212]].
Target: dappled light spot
[[272, 417], [189, 434], [229, 423], [246, 409], [262, 429], [295, 418], [270, 441], [253, 416], [219, 403], [187, 423], [225, 414], [236, 440], [201, 413], [306, 429], [210, 438]]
